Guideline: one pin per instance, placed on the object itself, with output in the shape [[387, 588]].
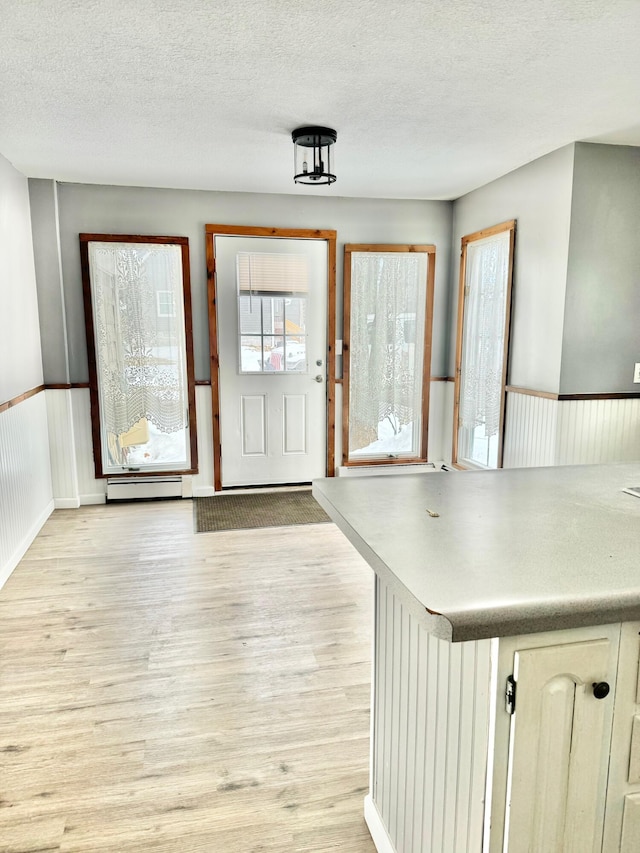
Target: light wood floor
[[166, 691]]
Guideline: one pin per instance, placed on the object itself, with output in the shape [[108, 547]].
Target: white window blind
[[269, 273]]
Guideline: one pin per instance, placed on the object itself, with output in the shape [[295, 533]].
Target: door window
[[272, 312]]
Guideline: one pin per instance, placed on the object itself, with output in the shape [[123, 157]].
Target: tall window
[[138, 315], [388, 314], [482, 346]]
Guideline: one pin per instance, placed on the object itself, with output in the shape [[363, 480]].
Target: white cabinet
[[559, 747], [566, 765], [453, 772], [622, 820]]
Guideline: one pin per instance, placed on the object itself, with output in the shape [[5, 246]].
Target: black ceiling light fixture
[[313, 160]]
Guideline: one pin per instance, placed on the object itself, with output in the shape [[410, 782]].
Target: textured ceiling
[[430, 99]]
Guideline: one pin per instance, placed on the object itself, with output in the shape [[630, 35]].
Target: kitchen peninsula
[[506, 700]]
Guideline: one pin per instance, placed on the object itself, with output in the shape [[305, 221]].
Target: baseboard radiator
[[143, 488]]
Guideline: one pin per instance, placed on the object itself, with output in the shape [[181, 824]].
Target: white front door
[[271, 298]]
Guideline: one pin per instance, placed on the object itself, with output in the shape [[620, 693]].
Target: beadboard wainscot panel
[[64, 472], [438, 434], [431, 710], [90, 490], [202, 482], [447, 420], [338, 430], [598, 431], [530, 431], [26, 494]]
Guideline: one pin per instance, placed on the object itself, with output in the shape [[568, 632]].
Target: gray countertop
[[514, 551]]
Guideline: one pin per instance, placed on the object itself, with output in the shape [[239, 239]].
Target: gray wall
[[43, 195], [538, 196], [602, 312], [20, 354], [127, 210]]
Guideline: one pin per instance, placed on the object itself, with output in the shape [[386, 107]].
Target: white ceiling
[[430, 98]]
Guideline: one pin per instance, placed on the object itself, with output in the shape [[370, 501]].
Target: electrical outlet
[[636, 372]]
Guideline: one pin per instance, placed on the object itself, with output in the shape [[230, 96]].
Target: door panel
[[560, 748], [631, 825], [254, 435], [272, 349], [294, 426]]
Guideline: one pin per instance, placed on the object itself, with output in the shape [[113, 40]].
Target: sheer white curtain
[[139, 335], [388, 299], [487, 276]]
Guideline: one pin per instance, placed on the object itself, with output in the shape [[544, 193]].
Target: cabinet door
[[622, 815], [559, 748]]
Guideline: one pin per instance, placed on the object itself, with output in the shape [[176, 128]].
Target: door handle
[[319, 378]]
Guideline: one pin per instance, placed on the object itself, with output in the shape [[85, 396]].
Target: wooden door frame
[[330, 237], [509, 226]]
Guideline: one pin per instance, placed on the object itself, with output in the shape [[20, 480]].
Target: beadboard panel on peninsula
[[431, 710]]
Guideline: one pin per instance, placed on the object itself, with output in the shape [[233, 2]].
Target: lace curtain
[[139, 335], [487, 276], [388, 296]]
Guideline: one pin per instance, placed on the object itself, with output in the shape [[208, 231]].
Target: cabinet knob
[[601, 689]]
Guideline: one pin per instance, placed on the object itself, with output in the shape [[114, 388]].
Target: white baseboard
[[377, 829], [90, 500], [203, 491], [21, 550], [66, 503]]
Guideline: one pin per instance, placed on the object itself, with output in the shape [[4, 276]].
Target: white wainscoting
[[26, 494], [90, 490], [540, 431], [597, 431], [64, 470], [431, 714], [203, 480], [530, 431], [448, 395], [439, 437]]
